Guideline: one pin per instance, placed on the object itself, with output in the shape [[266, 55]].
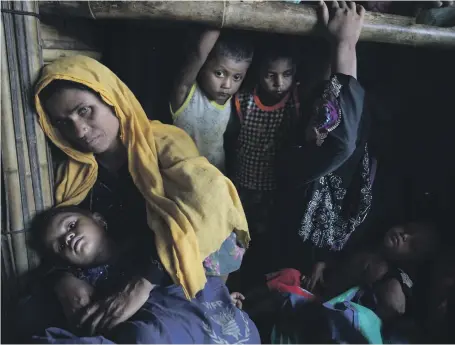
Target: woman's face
[[88, 123]]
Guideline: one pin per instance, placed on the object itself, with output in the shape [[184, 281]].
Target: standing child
[[200, 102], [257, 130]]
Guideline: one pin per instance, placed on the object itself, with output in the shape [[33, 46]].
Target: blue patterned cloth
[[226, 260], [169, 318]]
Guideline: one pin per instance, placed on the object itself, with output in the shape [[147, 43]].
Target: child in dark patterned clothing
[[262, 119]]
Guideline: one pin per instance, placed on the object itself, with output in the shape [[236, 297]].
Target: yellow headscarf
[[191, 206]]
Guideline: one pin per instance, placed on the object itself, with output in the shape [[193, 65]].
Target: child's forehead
[[230, 63], [278, 61], [58, 219]]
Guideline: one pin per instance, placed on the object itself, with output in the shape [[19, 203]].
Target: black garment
[[121, 204], [324, 191]]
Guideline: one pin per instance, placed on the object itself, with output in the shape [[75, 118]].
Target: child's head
[[413, 241], [225, 68], [277, 68], [71, 235]]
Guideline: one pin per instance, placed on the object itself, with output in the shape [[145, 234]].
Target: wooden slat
[[270, 16], [50, 55]]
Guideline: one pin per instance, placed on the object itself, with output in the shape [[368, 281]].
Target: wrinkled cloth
[[191, 206], [287, 280], [339, 321], [169, 318]]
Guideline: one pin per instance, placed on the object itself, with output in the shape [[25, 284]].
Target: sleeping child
[[383, 274], [75, 239]]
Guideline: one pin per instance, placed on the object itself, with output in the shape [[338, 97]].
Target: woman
[[116, 159], [326, 169]]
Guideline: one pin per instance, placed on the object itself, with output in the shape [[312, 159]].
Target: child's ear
[[99, 219]]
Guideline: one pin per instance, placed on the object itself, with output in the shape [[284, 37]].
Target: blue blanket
[[168, 317]]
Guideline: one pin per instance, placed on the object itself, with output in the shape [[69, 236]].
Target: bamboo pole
[[26, 158], [269, 16], [59, 38], [34, 64], [13, 160], [29, 63], [10, 173], [50, 55]]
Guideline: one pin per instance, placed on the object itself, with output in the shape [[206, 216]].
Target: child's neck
[[109, 254]]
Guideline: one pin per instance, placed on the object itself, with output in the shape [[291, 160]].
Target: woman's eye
[[84, 111], [61, 123], [219, 74], [71, 225], [270, 75], [61, 247]]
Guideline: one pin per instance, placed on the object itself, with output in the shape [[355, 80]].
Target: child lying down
[[383, 275], [77, 240]]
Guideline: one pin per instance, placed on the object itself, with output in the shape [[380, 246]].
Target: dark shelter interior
[[409, 93]]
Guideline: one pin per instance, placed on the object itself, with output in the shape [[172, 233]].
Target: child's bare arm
[[73, 294], [391, 300], [193, 64]]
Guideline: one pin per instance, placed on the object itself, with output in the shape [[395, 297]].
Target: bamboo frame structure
[[258, 16], [26, 161], [57, 43]]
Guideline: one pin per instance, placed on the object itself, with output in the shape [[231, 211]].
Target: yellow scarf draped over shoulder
[[191, 206]]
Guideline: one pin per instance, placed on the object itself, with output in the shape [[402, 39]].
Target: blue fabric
[[226, 260], [339, 320], [168, 317], [54, 335]]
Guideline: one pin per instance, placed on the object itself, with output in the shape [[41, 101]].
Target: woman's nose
[[80, 129], [69, 237]]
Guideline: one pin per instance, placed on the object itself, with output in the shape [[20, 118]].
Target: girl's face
[[411, 241], [88, 123], [76, 238]]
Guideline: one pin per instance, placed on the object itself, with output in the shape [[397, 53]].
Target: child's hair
[[277, 47], [233, 46], [41, 222]]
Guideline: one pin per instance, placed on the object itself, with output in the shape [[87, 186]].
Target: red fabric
[[287, 280]]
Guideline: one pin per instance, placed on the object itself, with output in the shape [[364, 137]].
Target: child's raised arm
[[193, 64], [343, 24]]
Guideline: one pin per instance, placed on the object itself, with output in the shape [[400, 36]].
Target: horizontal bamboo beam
[[68, 37], [269, 16], [50, 55], [52, 37]]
